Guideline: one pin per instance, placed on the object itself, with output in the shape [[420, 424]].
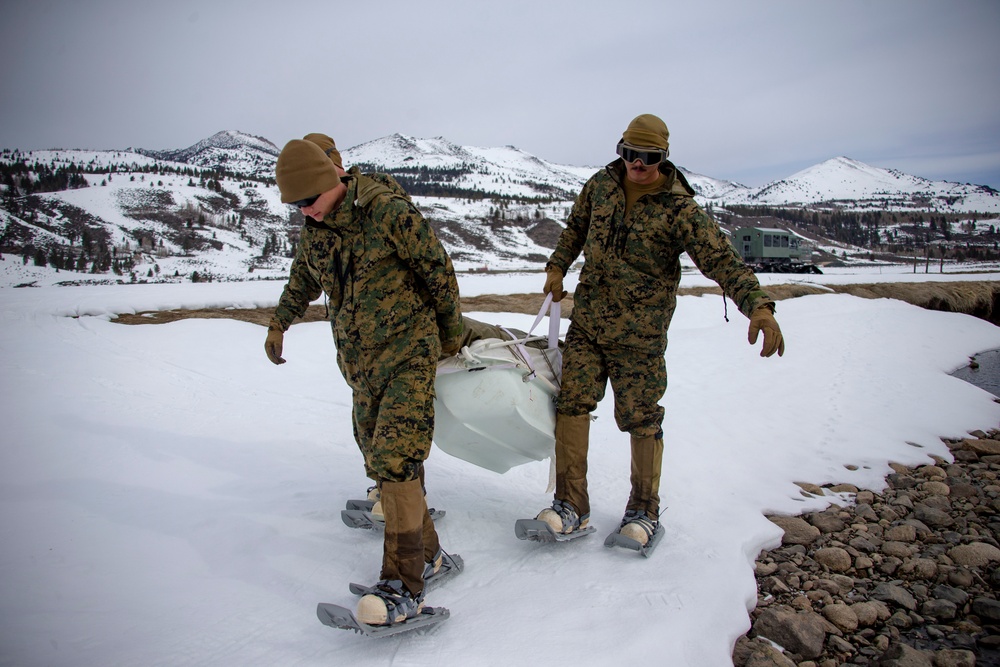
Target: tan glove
[[273, 344], [762, 319], [554, 283]]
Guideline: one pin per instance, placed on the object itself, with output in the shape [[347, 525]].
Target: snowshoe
[[641, 533], [340, 617]]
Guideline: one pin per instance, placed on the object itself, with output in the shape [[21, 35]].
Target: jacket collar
[[675, 182], [342, 221]]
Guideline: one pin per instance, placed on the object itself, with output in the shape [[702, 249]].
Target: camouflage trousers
[[638, 381], [394, 421]]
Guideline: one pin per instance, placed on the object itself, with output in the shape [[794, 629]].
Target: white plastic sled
[[495, 404]]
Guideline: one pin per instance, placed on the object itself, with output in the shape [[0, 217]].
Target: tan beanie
[[304, 171], [648, 131], [327, 144]]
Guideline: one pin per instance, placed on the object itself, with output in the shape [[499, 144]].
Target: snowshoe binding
[[443, 567]]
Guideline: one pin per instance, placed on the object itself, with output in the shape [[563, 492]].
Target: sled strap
[[521, 352], [554, 311]]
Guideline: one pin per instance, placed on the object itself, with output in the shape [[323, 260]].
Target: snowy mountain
[[235, 152], [469, 170], [713, 190], [855, 184], [212, 210]]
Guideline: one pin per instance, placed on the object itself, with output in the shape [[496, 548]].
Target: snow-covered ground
[[169, 497]]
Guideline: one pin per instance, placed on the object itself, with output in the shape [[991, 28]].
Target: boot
[[402, 558], [572, 445], [643, 510], [562, 518], [389, 602], [638, 526]]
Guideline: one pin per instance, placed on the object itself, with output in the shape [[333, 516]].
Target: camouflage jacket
[[627, 291], [391, 286]]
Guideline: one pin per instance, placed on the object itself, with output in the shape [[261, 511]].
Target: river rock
[[936, 488], [919, 568], [963, 490], [865, 511], [954, 658], [898, 549], [902, 655], [982, 447], [799, 632], [768, 656], [842, 616], [811, 489], [955, 595], [940, 610], [901, 533], [932, 472], [835, 558], [960, 577], [976, 554], [986, 609], [897, 595], [827, 522], [797, 530], [932, 516]]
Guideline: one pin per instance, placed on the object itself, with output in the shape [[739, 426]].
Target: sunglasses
[[303, 203], [648, 156]]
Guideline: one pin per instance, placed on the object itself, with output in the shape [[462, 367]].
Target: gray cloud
[[751, 91]]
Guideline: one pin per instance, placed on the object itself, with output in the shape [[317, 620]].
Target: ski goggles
[[303, 203], [648, 156]]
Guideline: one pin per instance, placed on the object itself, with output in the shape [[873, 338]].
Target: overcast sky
[[751, 91]]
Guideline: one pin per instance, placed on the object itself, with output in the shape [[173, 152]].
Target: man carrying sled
[[394, 308], [632, 221]]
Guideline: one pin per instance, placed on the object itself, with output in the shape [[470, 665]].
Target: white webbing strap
[[554, 311]]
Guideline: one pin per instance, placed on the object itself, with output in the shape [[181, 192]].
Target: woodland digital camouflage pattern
[[627, 290], [393, 300], [639, 380], [628, 286]]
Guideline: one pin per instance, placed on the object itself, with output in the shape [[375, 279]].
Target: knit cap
[[327, 144], [304, 171], [647, 131]]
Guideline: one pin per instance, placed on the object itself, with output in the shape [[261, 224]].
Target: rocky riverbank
[[904, 578]]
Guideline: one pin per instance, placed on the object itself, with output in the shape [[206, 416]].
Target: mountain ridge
[[212, 209], [521, 174]]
